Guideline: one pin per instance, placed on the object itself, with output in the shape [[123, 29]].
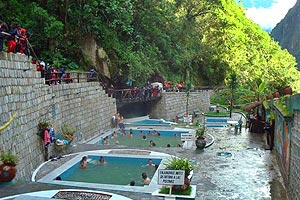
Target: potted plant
[[68, 132], [276, 95], [42, 125], [287, 90], [200, 139], [8, 168], [176, 163], [8, 160]]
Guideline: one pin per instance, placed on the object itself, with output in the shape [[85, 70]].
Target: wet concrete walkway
[[236, 166]]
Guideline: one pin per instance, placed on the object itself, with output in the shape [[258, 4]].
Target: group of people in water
[[144, 136], [84, 162], [146, 180]]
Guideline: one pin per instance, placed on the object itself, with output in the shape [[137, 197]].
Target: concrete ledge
[[173, 196]]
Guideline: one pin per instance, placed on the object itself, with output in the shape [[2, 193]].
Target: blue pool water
[[214, 126], [216, 120], [162, 138], [152, 122], [115, 170]]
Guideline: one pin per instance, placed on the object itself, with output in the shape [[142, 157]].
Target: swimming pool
[[142, 137], [151, 122], [115, 170], [216, 122], [120, 155], [68, 194]]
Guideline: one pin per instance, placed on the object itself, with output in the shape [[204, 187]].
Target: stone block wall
[[173, 104], [294, 176], [83, 106], [287, 146]]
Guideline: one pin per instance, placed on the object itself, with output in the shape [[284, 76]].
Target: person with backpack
[[2, 35], [11, 39], [22, 40]]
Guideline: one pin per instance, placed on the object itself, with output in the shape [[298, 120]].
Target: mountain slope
[[287, 31]]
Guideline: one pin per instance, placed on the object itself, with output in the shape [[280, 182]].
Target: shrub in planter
[[8, 168], [42, 125], [68, 132], [9, 160], [200, 141], [184, 164]]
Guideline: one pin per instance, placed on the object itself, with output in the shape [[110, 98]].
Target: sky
[[267, 13]]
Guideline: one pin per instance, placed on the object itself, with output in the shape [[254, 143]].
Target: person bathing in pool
[[146, 179], [101, 161], [83, 162]]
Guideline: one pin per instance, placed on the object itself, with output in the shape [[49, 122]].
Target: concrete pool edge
[[174, 196], [50, 177], [50, 193]]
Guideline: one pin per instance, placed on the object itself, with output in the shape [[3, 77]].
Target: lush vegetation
[[184, 40], [166, 190]]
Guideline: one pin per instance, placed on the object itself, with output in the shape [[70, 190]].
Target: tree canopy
[[184, 40]]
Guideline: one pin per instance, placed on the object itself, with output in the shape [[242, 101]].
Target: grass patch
[[217, 114], [166, 190]]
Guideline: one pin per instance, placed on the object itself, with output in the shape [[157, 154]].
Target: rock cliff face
[[96, 55], [287, 31]]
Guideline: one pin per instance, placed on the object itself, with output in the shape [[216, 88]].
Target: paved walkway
[[236, 166]]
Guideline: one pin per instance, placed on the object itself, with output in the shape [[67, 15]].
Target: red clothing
[[53, 78], [154, 92], [38, 67], [11, 45], [22, 42], [46, 137]]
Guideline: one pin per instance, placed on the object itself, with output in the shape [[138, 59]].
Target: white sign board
[[170, 177], [188, 119], [187, 136]]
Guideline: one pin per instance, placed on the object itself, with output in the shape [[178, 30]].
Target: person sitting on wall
[[11, 40], [3, 28], [67, 77], [22, 40]]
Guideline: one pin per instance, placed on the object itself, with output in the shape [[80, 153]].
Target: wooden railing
[[75, 77], [134, 95]]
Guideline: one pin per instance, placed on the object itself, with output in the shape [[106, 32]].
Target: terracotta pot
[[7, 172], [200, 143], [270, 97], [179, 188], [276, 95], [287, 90]]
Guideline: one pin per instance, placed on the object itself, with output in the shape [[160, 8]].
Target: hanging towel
[[46, 137], [52, 135]]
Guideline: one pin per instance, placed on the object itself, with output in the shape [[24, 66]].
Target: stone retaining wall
[[173, 104], [83, 106], [294, 175], [287, 146]]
